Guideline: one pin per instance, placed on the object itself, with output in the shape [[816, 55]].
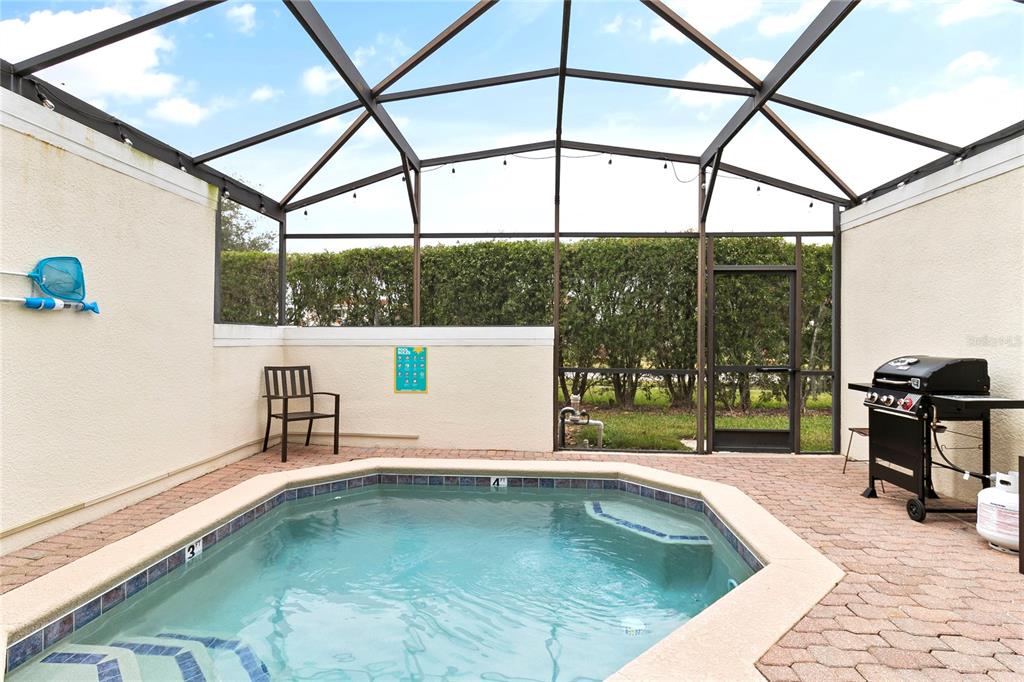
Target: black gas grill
[[906, 399]]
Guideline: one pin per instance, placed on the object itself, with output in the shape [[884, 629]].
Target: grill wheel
[[916, 509]]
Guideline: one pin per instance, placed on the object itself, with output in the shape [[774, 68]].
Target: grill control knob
[[871, 397], [887, 400]]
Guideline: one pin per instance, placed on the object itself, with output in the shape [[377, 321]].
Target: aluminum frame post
[[556, 254], [282, 272]]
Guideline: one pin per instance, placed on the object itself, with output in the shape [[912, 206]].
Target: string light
[[504, 162], [453, 170], [665, 166], [609, 160], [759, 188], [305, 212], [225, 192], [353, 195]]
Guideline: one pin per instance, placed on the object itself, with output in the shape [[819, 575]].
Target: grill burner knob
[[887, 400], [871, 397]]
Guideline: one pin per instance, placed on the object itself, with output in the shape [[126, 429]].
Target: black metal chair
[[292, 383]]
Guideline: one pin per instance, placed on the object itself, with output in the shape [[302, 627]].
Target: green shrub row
[[625, 302]]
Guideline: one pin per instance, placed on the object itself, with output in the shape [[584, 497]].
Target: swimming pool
[[427, 582]]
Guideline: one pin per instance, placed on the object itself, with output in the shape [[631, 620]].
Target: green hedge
[[625, 302]]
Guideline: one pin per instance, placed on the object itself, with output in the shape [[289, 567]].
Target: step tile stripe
[[106, 670], [254, 667], [187, 663]]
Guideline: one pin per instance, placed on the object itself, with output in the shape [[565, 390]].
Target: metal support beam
[[252, 140], [702, 41], [327, 156], [837, 296], [702, 276], [784, 185], [462, 86], [317, 28], [556, 265], [629, 79], [864, 123], [819, 29], [489, 153], [629, 151], [411, 191], [795, 139], [112, 35], [706, 204], [809, 107], [471, 15], [995, 139], [296, 204], [567, 144], [282, 272], [36, 89], [417, 256]]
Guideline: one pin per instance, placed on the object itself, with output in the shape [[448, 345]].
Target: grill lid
[[935, 375]]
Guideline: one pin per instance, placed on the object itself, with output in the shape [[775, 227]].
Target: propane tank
[[999, 512]]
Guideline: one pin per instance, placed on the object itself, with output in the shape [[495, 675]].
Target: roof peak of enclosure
[[756, 97]]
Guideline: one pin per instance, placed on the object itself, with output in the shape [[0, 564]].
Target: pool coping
[[794, 578]]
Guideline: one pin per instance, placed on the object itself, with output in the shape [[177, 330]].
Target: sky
[[949, 69]]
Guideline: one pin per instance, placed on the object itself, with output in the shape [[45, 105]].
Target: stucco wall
[[96, 405], [99, 412], [479, 397], [936, 269], [488, 387]]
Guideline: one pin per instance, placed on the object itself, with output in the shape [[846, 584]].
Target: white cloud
[[264, 93], [362, 54], [242, 17], [613, 26], [713, 71], [126, 70], [319, 80], [180, 110], [706, 16], [778, 24], [332, 127], [962, 114], [971, 62], [963, 10]]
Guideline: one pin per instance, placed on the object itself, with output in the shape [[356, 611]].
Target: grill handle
[[895, 382]]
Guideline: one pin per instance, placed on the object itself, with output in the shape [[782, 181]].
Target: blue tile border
[[56, 630]]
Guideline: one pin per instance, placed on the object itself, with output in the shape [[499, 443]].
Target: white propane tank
[[999, 512]]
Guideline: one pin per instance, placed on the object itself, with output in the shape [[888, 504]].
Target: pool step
[[78, 662], [161, 659], [233, 658], [653, 524], [168, 657]]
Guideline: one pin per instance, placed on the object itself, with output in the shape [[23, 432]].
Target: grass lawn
[[655, 426]]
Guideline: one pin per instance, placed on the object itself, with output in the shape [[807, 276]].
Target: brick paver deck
[[919, 601]]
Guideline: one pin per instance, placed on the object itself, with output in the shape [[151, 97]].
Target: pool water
[[418, 583]]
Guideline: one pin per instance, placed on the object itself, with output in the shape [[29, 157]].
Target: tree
[[238, 230]]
